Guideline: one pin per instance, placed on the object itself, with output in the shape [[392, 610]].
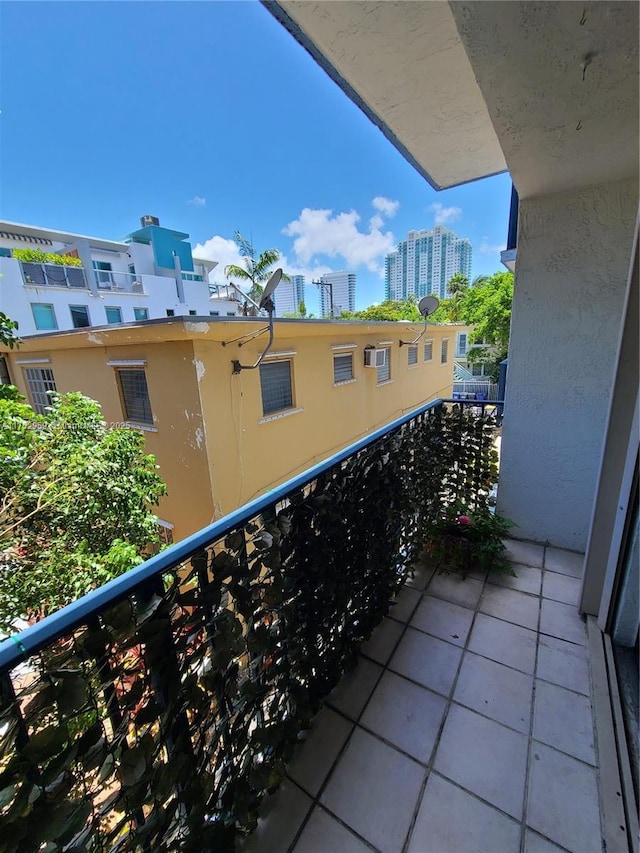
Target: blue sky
[[210, 116]]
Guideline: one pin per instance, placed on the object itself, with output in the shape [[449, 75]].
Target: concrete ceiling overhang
[[548, 90], [404, 65]]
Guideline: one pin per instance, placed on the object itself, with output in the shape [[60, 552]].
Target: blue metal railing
[[36, 637], [167, 702]]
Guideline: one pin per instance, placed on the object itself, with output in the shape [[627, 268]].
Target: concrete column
[[179, 282], [571, 277], [84, 253]]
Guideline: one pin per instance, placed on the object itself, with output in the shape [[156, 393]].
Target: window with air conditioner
[[384, 368]]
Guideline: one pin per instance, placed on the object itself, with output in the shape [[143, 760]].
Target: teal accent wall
[[165, 245]]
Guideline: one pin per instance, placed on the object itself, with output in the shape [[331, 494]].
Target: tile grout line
[[355, 725], [445, 716], [527, 772]]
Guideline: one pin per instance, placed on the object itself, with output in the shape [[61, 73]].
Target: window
[[5, 379], [384, 371], [114, 315], [170, 312], [44, 316], [192, 313], [39, 381], [343, 367], [102, 273], [412, 355], [428, 351], [477, 369], [275, 385], [79, 316], [444, 351], [141, 313], [132, 269], [214, 313], [231, 313], [462, 343], [135, 396]]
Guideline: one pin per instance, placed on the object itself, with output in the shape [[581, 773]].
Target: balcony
[[164, 710], [119, 282], [53, 275]]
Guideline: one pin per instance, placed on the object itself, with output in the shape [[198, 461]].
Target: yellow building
[[222, 438]]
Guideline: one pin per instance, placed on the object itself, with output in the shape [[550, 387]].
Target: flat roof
[[23, 230]]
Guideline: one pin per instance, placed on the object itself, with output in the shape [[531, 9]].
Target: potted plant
[[464, 539]]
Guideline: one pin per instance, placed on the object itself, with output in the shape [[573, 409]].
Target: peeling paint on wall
[[200, 369], [202, 328], [199, 437], [95, 339]]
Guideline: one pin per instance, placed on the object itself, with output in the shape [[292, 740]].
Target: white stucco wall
[[574, 251]]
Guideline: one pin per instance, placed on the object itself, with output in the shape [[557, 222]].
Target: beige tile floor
[[467, 726]]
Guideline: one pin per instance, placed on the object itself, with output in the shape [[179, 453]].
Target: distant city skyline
[[425, 261], [339, 294]]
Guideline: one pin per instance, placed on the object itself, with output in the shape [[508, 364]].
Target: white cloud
[[376, 221], [197, 201], [487, 248], [385, 205], [319, 232], [444, 215], [218, 249]]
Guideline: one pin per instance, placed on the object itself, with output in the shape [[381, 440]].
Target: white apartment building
[[149, 274], [289, 295], [425, 262], [337, 289]]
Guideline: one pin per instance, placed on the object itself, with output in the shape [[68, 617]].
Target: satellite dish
[[428, 305], [271, 285]]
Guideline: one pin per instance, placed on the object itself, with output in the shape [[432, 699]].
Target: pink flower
[[464, 519]]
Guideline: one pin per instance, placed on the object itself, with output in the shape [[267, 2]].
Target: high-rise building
[[289, 295], [342, 293], [424, 263]]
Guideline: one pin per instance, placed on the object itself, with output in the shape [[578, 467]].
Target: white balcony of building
[[53, 275]]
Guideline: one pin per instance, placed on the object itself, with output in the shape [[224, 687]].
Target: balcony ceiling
[[465, 90]]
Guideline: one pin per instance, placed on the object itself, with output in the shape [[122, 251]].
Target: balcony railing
[[122, 282], [156, 711], [53, 275]]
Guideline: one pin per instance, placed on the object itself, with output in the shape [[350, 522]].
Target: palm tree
[[457, 284], [256, 270]]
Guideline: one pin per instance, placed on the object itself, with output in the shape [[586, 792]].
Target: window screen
[[343, 367], [79, 316], [444, 351], [39, 381], [275, 384], [135, 396], [44, 316], [384, 371], [412, 355], [428, 351]]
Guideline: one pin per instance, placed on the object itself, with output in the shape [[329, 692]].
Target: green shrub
[[37, 256]]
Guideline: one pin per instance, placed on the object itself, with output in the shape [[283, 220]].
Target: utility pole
[[328, 286]]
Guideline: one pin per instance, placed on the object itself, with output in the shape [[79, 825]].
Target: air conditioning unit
[[375, 357]]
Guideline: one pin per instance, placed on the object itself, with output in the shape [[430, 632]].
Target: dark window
[[275, 384], [193, 313], [5, 379], [132, 269], [170, 312], [39, 381], [141, 313], [214, 313], [428, 351], [79, 316], [343, 367], [412, 355], [114, 315], [444, 352], [135, 396]]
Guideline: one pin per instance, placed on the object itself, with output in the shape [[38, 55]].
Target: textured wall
[[574, 251]]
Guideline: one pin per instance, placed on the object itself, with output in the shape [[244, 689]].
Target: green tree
[[256, 270], [8, 329], [75, 500], [389, 310], [457, 284], [487, 307]]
